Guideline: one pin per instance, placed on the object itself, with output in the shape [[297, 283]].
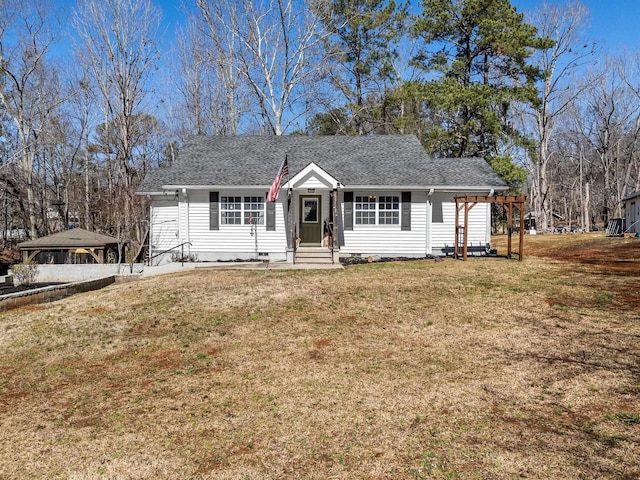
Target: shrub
[[25, 273]]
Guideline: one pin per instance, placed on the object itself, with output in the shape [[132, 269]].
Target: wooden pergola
[[467, 202]]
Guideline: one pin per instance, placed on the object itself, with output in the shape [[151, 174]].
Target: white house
[[632, 212], [343, 196]]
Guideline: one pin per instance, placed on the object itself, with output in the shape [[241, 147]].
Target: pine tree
[[362, 38], [478, 54]]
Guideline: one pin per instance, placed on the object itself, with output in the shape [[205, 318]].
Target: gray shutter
[[271, 216], [436, 211], [214, 210], [405, 222], [348, 211]]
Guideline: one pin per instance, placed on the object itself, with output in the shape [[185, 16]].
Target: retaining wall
[[55, 292], [76, 273]]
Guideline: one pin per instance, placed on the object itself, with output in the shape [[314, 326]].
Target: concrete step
[[311, 261], [313, 255]]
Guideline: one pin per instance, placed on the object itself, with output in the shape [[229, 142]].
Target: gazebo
[[75, 246]]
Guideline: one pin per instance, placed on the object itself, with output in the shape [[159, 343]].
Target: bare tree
[[119, 53], [275, 46], [27, 32], [630, 72], [214, 95], [612, 128], [564, 24]]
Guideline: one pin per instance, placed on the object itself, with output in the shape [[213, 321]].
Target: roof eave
[[166, 188], [210, 187], [632, 196], [471, 188], [150, 192]]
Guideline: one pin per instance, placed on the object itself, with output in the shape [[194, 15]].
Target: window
[[372, 210], [254, 210], [389, 210], [230, 210], [310, 207], [365, 210], [239, 210]]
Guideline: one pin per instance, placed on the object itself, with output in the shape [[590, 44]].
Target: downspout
[[150, 230], [187, 238], [488, 222], [334, 224], [428, 247], [292, 225]]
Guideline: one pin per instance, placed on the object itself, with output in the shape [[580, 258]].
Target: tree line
[[94, 97]]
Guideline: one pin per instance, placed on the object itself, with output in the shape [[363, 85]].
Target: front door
[[310, 215]]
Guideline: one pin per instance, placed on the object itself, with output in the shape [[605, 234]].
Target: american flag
[[272, 196]]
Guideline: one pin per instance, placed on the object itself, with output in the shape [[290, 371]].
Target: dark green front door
[[310, 224]]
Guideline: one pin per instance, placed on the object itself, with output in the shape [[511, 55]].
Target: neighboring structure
[[348, 196], [530, 222], [632, 212], [75, 246]]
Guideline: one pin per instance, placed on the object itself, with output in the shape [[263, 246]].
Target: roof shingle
[[384, 160], [76, 237]]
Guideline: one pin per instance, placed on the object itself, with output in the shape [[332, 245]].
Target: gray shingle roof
[[631, 195], [385, 160], [76, 237]]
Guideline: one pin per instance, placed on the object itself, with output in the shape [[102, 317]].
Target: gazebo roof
[[74, 238]]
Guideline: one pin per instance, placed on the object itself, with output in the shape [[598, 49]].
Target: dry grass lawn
[[485, 369]]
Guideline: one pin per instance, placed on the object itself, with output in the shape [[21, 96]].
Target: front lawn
[[421, 370]]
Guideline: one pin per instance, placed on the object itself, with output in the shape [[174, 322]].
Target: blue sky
[[614, 23]]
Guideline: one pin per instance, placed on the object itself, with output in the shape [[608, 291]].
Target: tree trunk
[[585, 207]]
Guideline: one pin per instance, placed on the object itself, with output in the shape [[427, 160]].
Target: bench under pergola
[[467, 202]]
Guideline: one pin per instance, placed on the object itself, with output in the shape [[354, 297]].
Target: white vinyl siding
[[388, 240], [164, 231], [443, 234], [233, 241], [187, 220]]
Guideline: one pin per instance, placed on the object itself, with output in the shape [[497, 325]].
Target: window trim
[[259, 200], [245, 202], [376, 212]]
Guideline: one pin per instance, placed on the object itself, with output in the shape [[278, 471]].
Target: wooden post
[[455, 241], [465, 234], [509, 227], [521, 246], [510, 202]]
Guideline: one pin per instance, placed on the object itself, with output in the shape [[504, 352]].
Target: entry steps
[[313, 255]]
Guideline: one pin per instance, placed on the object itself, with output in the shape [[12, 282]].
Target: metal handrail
[[170, 250], [330, 231], [294, 241]]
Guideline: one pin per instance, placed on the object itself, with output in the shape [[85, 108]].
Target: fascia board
[[216, 187], [437, 188], [311, 168]]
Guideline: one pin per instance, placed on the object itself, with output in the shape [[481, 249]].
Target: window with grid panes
[[231, 210], [365, 208], [388, 210], [254, 210]]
